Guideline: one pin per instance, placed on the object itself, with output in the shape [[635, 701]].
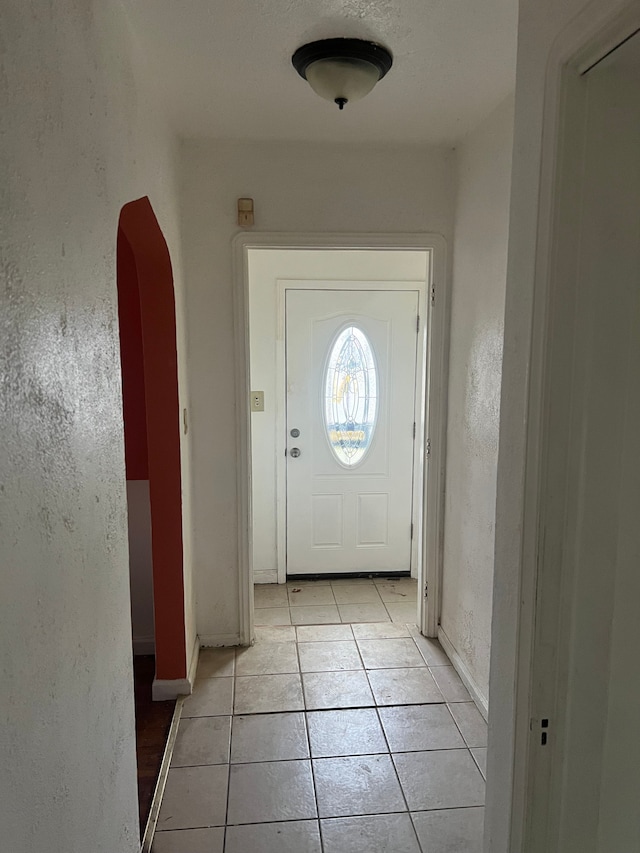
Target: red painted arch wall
[[146, 309]]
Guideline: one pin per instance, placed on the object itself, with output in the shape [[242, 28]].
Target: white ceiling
[[224, 66]]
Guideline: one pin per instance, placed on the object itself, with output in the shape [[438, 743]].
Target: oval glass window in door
[[350, 396]]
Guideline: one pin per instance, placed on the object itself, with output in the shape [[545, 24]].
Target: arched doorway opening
[[146, 308], [147, 324]]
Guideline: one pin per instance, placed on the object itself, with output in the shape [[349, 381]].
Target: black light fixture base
[[342, 48]]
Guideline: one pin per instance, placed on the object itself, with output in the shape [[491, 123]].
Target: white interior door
[[585, 750], [350, 421]]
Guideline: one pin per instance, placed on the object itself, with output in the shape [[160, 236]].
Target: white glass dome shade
[[342, 70], [342, 80]]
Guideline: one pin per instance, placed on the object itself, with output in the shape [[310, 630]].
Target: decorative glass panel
[[350, 396]]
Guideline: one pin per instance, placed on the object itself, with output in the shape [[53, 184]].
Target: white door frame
[[419, 407], [527, 655], [435, 402]]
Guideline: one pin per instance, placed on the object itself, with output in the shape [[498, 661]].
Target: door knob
[[295, 452]]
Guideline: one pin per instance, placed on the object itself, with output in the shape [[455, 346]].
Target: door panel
[[601, 773], [585, 766], [349, 491]]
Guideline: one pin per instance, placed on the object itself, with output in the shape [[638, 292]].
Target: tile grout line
[[395, 770], [306, 729], [337, 708], [233, 709], [459, 729], [366, 675], [446, 701], [468, 748], [477, 762], [337, 817], [385, 606], [378, 669], [335, 604], [233, 716]]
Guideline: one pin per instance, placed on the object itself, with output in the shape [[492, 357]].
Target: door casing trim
[[436, 399]]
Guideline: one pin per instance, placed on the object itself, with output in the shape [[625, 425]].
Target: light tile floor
[[329, 602], [328, 735]]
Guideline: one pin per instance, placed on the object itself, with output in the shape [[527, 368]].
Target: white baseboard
[[215, 640], [170, 688], [144, 645], [467, 679], [192, 666], [265, 576]]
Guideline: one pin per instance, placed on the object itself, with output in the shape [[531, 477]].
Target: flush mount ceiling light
[[342, 70]]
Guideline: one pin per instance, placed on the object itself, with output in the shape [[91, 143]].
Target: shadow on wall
[[146, 310]]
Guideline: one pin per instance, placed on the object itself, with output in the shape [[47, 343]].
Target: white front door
[[351, 380]]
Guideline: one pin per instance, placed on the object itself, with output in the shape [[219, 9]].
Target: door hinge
[[426, 590], [412, 530], [427, 448], [417, 324], [433, 294], [414, 429]]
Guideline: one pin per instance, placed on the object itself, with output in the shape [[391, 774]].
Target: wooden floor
[[153, 720]]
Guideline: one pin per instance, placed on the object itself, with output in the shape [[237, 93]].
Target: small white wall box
[[257, 401], [245, 212]]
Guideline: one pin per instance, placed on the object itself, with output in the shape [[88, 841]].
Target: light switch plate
[[257, 401], [245, 212]]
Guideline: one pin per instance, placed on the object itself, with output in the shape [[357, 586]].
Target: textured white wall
[[475, 366], [77, 144], [297, 188]]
